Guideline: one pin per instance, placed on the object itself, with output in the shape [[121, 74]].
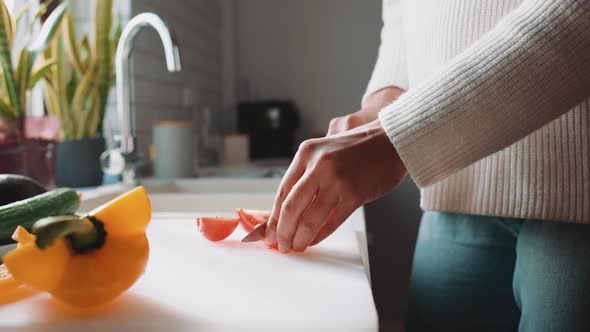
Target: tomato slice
[[249, 219], [217, 228]]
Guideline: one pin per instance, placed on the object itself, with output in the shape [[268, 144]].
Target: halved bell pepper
[[12, 290], [86, 261]]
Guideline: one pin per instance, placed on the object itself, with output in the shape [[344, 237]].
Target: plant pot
[[40, 162], [12, 149], [78, 163], [41, 135]]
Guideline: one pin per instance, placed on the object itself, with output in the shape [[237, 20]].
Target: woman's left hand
[[328, 180]]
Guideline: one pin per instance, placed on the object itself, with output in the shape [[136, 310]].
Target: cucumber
[[14, 188], [58, 202]]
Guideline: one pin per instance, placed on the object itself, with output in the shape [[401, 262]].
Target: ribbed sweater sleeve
[[391, 68], [527, 71]]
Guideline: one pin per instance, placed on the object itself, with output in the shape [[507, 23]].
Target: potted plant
[[17, 77], [76, 91]]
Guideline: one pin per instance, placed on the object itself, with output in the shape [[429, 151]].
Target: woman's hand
[[351, 121], [330, 178], [371, 107]]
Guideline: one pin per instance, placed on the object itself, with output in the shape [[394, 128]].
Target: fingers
[[337, 216], [313, 219], [297, 202], [333, 127], [293, 174], [338, 125]]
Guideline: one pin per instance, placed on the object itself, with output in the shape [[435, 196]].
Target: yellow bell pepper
[[85, 261], [12, 290]]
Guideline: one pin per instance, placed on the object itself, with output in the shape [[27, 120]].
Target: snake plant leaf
[[23, 73], [7, 23], [2, 88], [61, 83], [91, 116], [21, 12], [5, 108], [6, 59], [94, 119], [83, 92], [84, 52], [49, 28], [70, 42], [40, 71], [42, 9], [115, 36], [102, 26], [51, 99], [117, 30]]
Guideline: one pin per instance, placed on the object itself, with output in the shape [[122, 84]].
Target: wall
[[160, 95], [320, 53]]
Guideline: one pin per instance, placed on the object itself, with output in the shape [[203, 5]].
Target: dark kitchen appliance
[[271, 126]]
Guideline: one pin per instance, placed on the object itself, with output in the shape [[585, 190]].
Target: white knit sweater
[[496, 117]]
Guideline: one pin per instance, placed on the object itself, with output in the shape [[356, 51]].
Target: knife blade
[[259, 233]]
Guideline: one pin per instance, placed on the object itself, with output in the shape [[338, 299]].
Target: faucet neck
[[123, 71]]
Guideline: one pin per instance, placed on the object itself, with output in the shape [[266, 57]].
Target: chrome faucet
[[124, 160]]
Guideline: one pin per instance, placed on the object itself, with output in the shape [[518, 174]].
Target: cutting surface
[[194, 285]]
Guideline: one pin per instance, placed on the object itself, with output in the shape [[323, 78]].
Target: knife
[[259, 233]]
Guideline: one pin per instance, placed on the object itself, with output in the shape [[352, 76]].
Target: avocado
[[17, 187]]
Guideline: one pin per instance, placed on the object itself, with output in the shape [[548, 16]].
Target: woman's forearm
[[530, 69]]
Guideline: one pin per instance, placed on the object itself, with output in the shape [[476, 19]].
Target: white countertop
[[195, 285]]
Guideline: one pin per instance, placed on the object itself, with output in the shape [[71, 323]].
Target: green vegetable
[[26, 212]]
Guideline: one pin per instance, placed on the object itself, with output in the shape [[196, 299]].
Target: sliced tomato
[[249, 219], [217, 228]]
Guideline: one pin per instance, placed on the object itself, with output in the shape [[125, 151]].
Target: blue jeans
[[477, 273]]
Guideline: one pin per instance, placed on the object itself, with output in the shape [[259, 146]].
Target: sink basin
[[189, 195]]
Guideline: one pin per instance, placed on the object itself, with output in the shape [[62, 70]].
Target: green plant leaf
[[84, 52], [83, 92], [6, 59], [40, 71], [70, 42], [23, 73], [115, 36], [42, 10], [7, 23], [103, 22], [90, 117], [21, 12], [5, 109], [51, 99], [61, 84], [71, 86], [49, 29]]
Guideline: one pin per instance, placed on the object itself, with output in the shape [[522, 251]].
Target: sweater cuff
[[410, 150]]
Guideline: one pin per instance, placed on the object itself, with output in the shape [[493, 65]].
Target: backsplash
[[158, 94]]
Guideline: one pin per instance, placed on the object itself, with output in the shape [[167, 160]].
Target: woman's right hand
[[370, 109]]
